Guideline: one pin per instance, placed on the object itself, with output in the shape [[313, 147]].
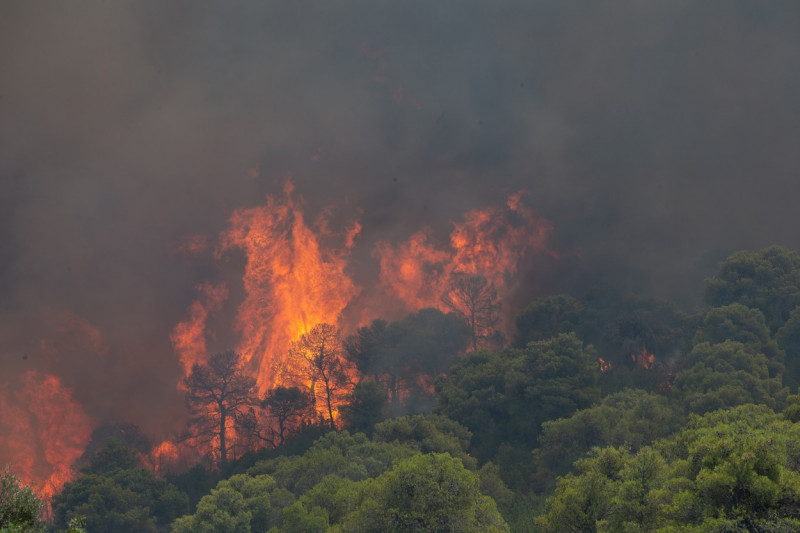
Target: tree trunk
[[223, 451], [328, 395]]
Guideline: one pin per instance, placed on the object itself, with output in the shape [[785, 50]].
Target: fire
[[292, 282], [644, 358], [45, 430], [605, 366], [489, 242], [296, 281], [189, 336], [169, 456]]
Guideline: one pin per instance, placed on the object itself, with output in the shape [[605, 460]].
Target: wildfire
[[291, 281], [189, 336], [45, 431], [489, 242], [296, 281], [605, 366], [644, 358]]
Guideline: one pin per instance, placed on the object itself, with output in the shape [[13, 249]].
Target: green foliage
[[114, 455], [114, 495], [77, 525], [493, 394], [19, 506], [348, 456], [632, 417], [398, 355], [351, 483], [736, 322], [788, 338], [431, 492], [427, 434], [728, 374], [768, 280], [620, 327], [242, 503], [730, 470], [364, 406], [547, 317]]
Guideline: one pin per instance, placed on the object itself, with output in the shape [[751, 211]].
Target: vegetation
[[19, 506], [607, 413], [116, 494]]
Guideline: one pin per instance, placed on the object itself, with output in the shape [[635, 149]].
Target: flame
[[644, 358], [189, 336], [291, 281], [295, 278], [169, 456], [605, 366], [46, 431], [489, 242]]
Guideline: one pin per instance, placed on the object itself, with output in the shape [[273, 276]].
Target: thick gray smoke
[[655, 135]]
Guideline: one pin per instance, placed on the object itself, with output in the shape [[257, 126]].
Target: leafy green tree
[[353, 457], [632, 417], [547, 317], [730, 470], [19, 506], [728, 374], [427, 434], [115, 494], [349, 483], [241, 503], [504, 397], [218, 394], [788, 338], [739, 323], [426, 493], [364, 406], [767, 280], [582, 500]]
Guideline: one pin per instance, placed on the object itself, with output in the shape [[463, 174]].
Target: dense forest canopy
[[392, 266], [607, 413]]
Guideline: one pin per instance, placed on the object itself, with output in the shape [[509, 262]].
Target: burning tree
[[316, 361], [475, 298], [217, 395]]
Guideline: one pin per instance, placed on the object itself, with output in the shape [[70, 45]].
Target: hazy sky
[[656, 136]]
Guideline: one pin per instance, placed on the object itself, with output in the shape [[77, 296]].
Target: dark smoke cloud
[[655, 135]]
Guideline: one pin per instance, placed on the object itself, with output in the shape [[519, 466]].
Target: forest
[[606, 412]]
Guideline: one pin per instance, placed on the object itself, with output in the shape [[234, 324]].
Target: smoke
[[656, 136]]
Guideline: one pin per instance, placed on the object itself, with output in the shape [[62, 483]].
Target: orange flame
[[489, 242], [189, 337], [296, 277], [605, 366], [644, 358], [292, 282], [46, 431]]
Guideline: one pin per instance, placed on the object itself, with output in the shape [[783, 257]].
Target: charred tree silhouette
[[316, 358], [217, 395], [475, 298], [402, 356], [288, 406]]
